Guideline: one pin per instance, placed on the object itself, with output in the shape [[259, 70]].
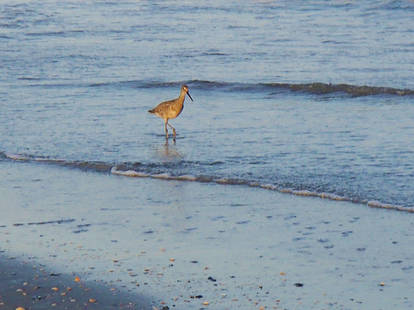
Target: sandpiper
[[171, 109]]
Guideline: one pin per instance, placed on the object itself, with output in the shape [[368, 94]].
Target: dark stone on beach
[[54, 274], [297, 284], [79, 231], [196, 296], [83, 225], [242, 222]]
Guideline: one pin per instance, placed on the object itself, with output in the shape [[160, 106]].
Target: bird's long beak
[[190, 96]]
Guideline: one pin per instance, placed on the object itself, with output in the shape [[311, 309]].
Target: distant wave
[[162, 171], [312, 88]]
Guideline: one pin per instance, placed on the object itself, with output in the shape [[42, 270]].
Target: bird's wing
[[163, 106]]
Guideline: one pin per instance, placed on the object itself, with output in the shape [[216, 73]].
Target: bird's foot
[[174, 135]]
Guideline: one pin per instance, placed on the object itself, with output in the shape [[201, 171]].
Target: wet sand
[[30, 285], [188, 245]]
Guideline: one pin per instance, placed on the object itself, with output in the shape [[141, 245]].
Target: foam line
[[129, 170]]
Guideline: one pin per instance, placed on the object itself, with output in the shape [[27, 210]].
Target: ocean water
[[312, 98], [291, 98]]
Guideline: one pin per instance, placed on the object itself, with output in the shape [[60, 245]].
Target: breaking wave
[[162, 171], [312, 88], [315, 88]]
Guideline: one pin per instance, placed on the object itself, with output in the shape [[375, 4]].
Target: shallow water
[[279, 88], [357, 149]]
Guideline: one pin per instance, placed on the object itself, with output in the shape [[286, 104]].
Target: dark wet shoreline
[[28, 284]]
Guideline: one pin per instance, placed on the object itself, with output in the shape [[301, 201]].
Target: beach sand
[[29, 285], [188, 245]]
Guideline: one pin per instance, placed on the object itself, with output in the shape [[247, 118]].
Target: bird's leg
[[173, 131], [166, 129]]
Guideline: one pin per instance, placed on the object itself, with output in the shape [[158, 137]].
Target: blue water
[[313, 98]]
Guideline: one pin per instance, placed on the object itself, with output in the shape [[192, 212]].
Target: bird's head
[[185, 88]]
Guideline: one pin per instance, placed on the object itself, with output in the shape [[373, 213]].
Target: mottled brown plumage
[[171, 109]]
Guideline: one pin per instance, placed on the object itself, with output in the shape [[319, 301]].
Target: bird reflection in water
[[169, 153]]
